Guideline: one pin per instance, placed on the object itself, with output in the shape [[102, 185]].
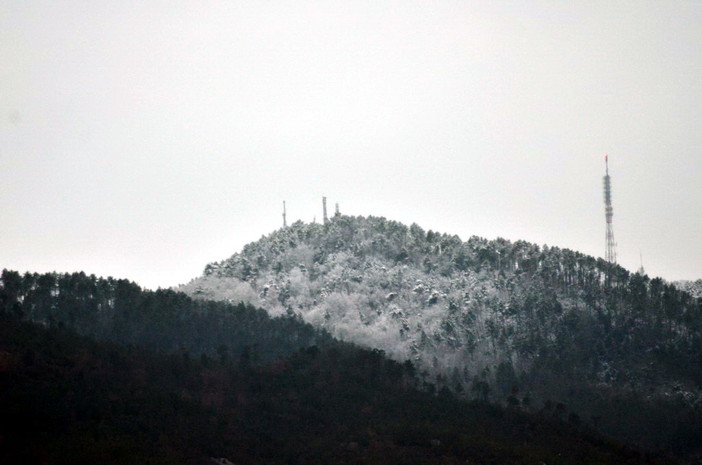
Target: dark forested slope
[[67, 399], [119, 310]]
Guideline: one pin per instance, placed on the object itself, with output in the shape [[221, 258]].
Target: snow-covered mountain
[[509, 321]]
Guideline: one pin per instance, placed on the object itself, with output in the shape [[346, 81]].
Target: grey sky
[[146, 139]]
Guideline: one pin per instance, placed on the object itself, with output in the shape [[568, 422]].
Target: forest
[[72, 396], [163, 320]]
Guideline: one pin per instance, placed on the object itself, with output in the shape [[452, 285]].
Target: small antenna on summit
[[324, 210], [641, 270], [285, 220]]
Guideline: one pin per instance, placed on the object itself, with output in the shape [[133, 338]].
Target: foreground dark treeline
[[119, 310], [67, 399]]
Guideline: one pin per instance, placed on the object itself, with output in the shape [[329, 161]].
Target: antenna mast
[[285, 220], [641, 271], [324, 208], [610, 252]]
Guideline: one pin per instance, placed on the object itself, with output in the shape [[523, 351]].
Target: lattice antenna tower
[[324, 210], [611, 250], [285, 218]]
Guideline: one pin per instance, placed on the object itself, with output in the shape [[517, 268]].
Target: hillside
[[118, 310], [68, 399], [510, 322]]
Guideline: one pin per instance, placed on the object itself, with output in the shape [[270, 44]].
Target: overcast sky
[[145, 139]]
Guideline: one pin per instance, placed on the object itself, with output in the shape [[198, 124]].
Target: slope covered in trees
[[67, 399], [165, 320], [694, 288], [512, 322]]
